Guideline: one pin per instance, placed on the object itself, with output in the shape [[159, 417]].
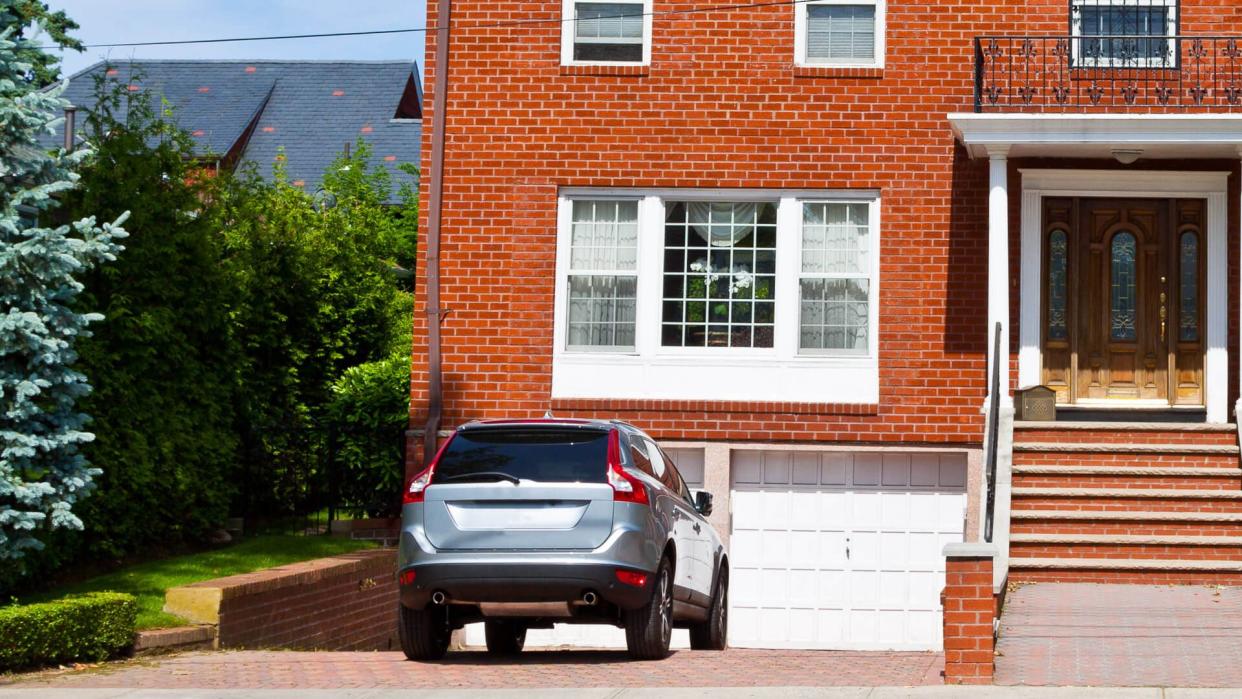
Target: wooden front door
[[1122, 300]]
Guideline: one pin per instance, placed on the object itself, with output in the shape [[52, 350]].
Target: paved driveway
[[476, 670], [1121, 636]]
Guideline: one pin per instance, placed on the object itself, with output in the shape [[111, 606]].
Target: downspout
[[70, 128], [435, 388]]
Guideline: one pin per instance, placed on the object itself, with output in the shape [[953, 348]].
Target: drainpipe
[[435, 388], [70, 118]]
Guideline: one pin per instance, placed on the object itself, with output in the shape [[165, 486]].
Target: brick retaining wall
[[346, 602]]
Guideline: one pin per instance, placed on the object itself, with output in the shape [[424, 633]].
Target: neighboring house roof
[[247, 111]]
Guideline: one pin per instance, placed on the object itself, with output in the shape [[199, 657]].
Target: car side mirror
[[703, 503]]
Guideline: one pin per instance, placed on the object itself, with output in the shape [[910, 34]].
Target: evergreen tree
[[42, 471]]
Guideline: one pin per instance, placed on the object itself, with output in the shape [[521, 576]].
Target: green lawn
[[148, 581]]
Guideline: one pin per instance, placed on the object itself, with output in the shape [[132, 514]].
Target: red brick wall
[[721, 106], [346, 602], [969, 609]]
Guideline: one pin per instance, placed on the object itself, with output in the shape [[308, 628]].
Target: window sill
[[709, 406], [827, 71], [636, 70]]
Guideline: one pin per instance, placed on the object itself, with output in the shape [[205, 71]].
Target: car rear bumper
[[515, 582]]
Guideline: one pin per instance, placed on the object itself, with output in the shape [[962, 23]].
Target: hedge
[[90, 627]]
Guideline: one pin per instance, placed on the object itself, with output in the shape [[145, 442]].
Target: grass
[[148, 581]]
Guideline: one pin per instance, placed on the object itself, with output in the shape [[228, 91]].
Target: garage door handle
[[697, 528]]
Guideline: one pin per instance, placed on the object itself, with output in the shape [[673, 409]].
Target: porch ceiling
[[1157, 136]]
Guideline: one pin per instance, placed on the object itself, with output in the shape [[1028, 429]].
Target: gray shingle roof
[[311, 109]]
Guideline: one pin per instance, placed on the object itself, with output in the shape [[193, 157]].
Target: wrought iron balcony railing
[[1108, 73]]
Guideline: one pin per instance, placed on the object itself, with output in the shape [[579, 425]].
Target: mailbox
[[1035, 403]]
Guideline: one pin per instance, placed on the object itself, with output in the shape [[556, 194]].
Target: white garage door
[[842, 551]]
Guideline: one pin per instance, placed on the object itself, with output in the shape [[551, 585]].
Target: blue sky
[[116, 21]]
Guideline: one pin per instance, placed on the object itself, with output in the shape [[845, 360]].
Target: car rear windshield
[[544, 455]]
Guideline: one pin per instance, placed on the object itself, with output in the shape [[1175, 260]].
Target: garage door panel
[[866, 508], [894, 549], [895, 470], [796, 513]]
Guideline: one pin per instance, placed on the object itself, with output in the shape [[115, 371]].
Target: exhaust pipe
[[438, 597], [590, 598]]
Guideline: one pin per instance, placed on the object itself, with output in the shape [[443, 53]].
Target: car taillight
[[625, 488], [418, 484], [630, 577]]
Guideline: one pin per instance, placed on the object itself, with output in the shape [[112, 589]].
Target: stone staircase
[[1126, 503]]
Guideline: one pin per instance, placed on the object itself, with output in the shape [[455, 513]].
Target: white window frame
[[800, 10], [651, 371], [1080, 61], [569, 25], [616, 272]]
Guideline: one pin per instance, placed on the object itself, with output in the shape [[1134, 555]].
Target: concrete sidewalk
[[634, 693]]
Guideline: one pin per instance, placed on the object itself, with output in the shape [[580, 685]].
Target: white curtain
[[722, 225]]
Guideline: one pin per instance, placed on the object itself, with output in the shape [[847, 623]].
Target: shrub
[[91, 628]]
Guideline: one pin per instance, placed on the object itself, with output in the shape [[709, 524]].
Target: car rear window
[[543, 455]]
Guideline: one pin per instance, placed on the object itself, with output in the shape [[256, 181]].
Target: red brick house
[[777, 237]]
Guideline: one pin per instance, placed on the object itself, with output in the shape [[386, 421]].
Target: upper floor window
[[613, 32], [839, 32], [1124, 32]]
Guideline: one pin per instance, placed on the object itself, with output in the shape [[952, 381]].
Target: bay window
[[717, 295]]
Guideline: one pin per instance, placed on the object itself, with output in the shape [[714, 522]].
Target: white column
[[1216, 360], [998, 265]]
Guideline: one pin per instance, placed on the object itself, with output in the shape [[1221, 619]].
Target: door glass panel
[[1058, 257], [1188, 259], [1123, 288]]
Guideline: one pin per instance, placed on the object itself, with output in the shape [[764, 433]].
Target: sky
[[118, 21]]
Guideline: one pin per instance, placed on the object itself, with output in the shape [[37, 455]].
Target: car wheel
[[504, 637], [713, 634], [424, 634], [649, 629]]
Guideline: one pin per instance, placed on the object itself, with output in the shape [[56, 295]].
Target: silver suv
[[524, 524]]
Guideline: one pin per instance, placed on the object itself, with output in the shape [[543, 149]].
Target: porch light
[[1127, 156]]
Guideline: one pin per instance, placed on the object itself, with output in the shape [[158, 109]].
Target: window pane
[[602, 311], [1124, 19], [1123, 288], [835, 238], [608, 32], [1058, 264], [604, 236], [719, 274], [835, 314], [840, 32], [1188, 262]]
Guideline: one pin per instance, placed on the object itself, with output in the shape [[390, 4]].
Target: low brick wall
[[346, 602], [969, 612]]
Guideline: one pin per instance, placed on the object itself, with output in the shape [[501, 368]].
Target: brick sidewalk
[[1077, 634], [475, 670]]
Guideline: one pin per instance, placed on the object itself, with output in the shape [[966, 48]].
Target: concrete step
[[1113, 546], [1097, 476], [1129, 564], [1125, 516], [1126, 432], [1124, 447], [1129, 493], [1125, 539]]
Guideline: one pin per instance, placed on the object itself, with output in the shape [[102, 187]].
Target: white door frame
[[1210, 186]]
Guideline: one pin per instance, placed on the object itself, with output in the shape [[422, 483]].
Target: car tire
[[504, 637], [713, 634], [649, 629], [424, 634]]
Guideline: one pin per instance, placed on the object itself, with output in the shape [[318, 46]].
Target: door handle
[[1164, 309], [697, 529], [847, 549]]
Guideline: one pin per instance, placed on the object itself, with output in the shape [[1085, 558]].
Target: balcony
[[1108, 74]]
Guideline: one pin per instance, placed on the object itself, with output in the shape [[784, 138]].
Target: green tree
[[43, 473], [44, 67], [163, 361]]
